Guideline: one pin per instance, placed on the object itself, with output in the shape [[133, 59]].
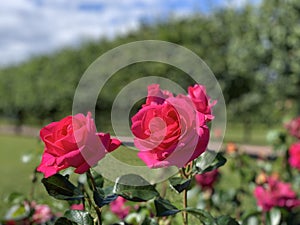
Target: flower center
[[158, 129]]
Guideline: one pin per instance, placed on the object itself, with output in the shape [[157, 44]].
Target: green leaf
[[247, 216], [18, 212], [15, 198], [209, 161], [179, 184], [226, 220], [274, 216], [205, 217], [108, 190], [79, 217], [60, 187], [149, 221], [100, 198], [99, 180], [134, 188], [164, 207], [121, 223], [64, 221]]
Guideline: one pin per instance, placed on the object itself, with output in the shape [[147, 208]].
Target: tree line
[[253, 52]]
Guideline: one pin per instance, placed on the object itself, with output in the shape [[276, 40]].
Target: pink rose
[[169, 132], [201, 100], [294, 155], [206, 180], [42, 214], [77, 207], [275, 193], [73, 142], [293, 127], [156, 95], [118, 207]]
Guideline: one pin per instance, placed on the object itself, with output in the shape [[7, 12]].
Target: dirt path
[[254, 150], [22, 131]]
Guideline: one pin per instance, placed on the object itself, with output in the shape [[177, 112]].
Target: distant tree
[[253, 51], [281, 37]]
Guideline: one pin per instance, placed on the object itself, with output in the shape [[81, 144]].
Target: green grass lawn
[[15, 174], [256, 136]]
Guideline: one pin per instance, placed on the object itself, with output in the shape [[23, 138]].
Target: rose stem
[[164, 189], [263, 218], [184, 213], [186, 174], [98, 210]]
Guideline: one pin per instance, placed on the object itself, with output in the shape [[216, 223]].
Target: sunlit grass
[[257, 135], [19, 157]]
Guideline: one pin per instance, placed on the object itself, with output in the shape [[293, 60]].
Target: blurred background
[[252, 47]]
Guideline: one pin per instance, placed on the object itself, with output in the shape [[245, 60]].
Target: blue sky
[[32, 27]]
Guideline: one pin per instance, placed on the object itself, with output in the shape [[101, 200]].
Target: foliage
[[232, 195], [252, 51], [132, 187]]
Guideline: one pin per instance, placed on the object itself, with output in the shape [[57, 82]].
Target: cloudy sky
[[32, 27]]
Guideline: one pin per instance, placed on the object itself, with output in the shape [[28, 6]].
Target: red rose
[[156, 95], [73, 142], [294, 155], [10, 222], [206, 180], [275, 193], [168, 130], [201, 100], [293, 127]]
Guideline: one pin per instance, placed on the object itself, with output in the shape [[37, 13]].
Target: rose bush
[[42, 214], [293, 127], [119, 208], [29, 213], [294, 155], [171, 131], [207, 180], [275, 193], [73, 142]]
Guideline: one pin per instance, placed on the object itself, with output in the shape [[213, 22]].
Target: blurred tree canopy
[[253, 51]]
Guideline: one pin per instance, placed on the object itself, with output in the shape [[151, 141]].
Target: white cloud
[[39, 26], [30, 27], [239, 3]]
